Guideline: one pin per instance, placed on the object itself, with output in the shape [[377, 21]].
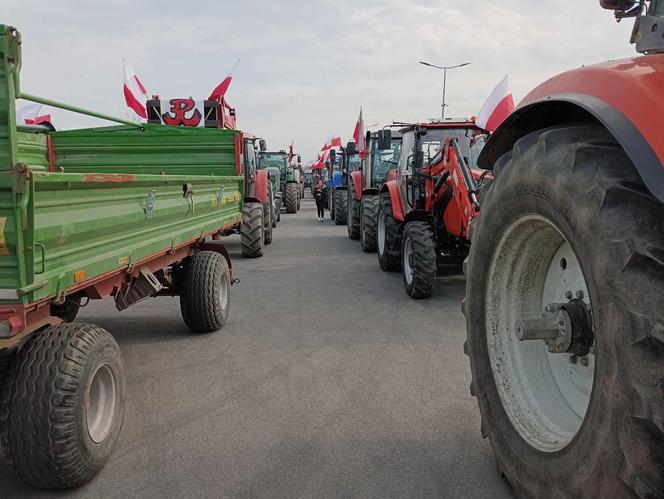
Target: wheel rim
[[100, 403], [545, 395], [224, 291], [381, 232], [407, 258]]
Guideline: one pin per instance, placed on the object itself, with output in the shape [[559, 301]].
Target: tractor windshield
[[274, 159], [433, 141], [354, 162], [384, 161]]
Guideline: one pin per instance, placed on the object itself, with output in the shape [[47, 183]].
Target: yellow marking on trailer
[[4, 251], [123, 260]]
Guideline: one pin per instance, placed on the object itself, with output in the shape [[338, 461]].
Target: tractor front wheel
[[340, 198], [353, 216], [252, 231], [368, 222], [290, 198], [388, 236], [63, 405], [419, 259], [564, 319], [268, 209]]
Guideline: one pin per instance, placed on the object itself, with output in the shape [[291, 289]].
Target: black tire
[[204, 282], [340, 209], [252, 231], [353, 215], [419, 275], [579, 180], [330, 200], [68, 310], [290, 198], [49, 398], [279, 209], [389, 250], [267, 216], [368, 221]]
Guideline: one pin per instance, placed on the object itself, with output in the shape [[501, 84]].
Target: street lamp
[[444, 68]]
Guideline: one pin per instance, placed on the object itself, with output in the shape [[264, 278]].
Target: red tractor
[[427, 206], [258, 208], [364, 189], [565, 293]]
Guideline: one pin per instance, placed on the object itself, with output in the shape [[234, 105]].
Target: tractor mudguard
[[357, 184], [370, 191], [262, 178], [397, 209], [624, 96]]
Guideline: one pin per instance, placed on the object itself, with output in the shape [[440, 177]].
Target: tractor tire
[[388, 236], [205, 283], [418, 259], [299, 200], [569, 211], [290, 198], [252, 230], [267, 217], [330, 200], [340, 209], [368, 222], [64, 405], [274, 206], [353, 215]]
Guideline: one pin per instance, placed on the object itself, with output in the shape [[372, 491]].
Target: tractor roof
[[446, 123]]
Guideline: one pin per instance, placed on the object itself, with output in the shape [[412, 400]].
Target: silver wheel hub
[[381, 232], [408, 260], [534, 277], [101, 400]]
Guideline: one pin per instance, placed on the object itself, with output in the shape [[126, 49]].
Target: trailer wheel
[[290, 198], [568, 228], [205, 291], [368, 222], [353, 215], [251, 232], [388, 238], [419, 259], [340, 210], [65, 396]]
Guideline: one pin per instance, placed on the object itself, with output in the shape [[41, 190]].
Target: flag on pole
[[135, 94], [32, 114], [220, 90], [497, 107], [333, 141], [290, 152], [358, 135]]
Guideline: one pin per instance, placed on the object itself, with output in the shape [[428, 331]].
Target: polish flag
[[333, 141], [290, 152], [220, 90], [358, 135], [32, 114], [135, 94], [498, 106]]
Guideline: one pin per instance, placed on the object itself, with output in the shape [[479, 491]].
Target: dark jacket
[[320, 194]]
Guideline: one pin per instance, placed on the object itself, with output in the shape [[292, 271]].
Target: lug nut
[[569, 295], [572, 359], [584, 361], [580, 295]]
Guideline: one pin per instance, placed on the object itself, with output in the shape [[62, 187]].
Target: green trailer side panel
[[153, 150], [32, 150]]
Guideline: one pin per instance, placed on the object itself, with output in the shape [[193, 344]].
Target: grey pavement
[[327, 381]]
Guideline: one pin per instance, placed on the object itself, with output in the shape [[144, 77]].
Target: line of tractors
[[557, 220]]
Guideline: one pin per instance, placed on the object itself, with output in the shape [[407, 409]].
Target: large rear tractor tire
[[388, 237], [291, 198], [64, 396], [252, 231], [418, 266], [353, 215], [368, 222], [205, 291], [340, 209], [569, 247]]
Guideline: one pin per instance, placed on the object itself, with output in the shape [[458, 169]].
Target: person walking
[[320, 194]]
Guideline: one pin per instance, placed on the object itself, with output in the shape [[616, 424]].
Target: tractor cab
[[383, 156]]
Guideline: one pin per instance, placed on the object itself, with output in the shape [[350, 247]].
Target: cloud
[[307, 66]]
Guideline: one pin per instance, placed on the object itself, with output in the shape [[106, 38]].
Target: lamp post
[[444, 68]]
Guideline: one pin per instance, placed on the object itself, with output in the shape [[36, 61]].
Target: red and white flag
[[290, 152], [498, 106], [358, 135], [333, 141], [221, 89], [33, 114], [135, 94]]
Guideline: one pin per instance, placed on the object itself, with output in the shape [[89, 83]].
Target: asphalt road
[[327, 381]]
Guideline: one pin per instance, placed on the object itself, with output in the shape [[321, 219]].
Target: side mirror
[[299, 159], [350, 148], [333, 156], [384, 139], [617, 4], [262, 145]]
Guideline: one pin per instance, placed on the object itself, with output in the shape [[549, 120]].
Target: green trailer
[[129, 211], [289, 178]]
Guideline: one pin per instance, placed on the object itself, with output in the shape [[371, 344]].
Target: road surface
[[327, 381]]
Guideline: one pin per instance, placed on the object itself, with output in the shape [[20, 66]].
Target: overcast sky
[[306, 66]]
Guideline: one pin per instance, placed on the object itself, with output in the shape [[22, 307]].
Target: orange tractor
[[565, 293], [428, 201]]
